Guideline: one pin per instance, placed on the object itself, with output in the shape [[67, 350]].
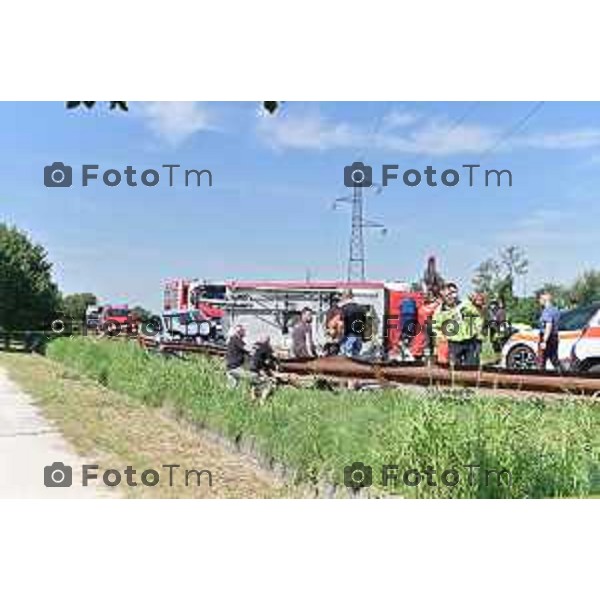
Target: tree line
[[29, 298], [497, 277]]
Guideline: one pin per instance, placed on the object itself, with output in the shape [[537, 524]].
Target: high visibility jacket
[[458, 323], [474, 321]]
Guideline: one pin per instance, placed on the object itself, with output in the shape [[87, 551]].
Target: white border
[[295, 549], [310, 50]]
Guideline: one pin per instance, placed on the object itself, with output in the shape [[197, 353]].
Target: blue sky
[[269, 212]]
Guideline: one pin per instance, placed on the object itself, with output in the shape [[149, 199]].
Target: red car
[[114, 317]]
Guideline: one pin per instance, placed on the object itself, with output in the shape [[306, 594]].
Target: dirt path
[[117, 431], [28, 443]]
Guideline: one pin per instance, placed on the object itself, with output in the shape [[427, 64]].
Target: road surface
[[28, 443]]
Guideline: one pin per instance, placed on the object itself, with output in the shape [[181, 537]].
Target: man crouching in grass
[[236, 356], [262, 364]]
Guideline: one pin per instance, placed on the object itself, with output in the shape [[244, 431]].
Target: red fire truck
[[272, 307]]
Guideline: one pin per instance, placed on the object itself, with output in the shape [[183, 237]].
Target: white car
[[579, 343], [183, 326]]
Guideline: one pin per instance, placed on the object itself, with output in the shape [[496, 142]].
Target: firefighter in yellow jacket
[[462, 325]]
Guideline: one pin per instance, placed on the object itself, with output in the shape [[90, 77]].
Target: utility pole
[[356, 260], [357, 255]]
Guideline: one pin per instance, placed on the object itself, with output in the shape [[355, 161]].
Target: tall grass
[[550, 449]]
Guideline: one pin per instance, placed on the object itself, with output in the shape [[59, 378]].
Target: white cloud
[[564, 140], [439, 138], [412, 133], [309, 132], [400, 118], [314, 132], [174, 122]]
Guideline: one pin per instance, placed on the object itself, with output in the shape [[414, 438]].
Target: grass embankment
[[116, 430], [550, 448]]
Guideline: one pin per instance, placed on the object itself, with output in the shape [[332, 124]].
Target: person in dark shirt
[[497, 326], [262, 365], [354, 324], [263, 359], [548, 345], [236, 355], [303, 345]]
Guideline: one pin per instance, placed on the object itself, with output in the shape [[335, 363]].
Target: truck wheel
[[521, 358], [593, 369]]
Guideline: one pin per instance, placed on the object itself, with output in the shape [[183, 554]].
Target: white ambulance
[[579, 343]]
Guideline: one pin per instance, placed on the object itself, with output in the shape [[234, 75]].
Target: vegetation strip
[[550, 449]]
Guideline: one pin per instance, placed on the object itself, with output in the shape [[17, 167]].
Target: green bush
[[550, 449]]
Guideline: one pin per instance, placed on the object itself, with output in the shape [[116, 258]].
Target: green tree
[[515, 261], [29, 298], [562, 295], [496, 277], [486, 277], [140, 313], [74, 305], [586, 287], [523, 310], [515, 264]]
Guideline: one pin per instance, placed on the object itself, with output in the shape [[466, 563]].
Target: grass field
[[551, 449]]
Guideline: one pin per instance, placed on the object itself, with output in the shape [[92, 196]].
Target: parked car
[[114, 318], [92, 317], [579, 342], [190, 326]]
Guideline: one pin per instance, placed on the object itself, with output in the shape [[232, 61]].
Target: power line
[[463, 117], [458, 122], [520, 124], [374, 130]]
